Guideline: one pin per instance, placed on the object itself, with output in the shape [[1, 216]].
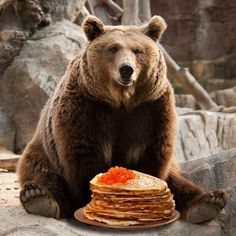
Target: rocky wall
[[201, 34]]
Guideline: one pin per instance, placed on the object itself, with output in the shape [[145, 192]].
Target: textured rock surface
[[11, 42], [201, 35], [225, 97], [20, 18], [33, 75], [186, 100], [202, 133], [197, 28], [7, 132], [223, 67]]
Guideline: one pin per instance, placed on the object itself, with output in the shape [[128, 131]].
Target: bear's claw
[[39, 201], [217, 197], [206, 207]]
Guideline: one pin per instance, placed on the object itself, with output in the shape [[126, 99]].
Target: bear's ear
[[93, 27], [155, 28]]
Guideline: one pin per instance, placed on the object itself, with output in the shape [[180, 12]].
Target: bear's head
[[123, 64]]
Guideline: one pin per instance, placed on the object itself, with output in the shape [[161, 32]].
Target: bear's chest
[[127, 134]]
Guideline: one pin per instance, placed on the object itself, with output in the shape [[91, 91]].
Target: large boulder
[[20, 18], [34, 74], [202, 133]]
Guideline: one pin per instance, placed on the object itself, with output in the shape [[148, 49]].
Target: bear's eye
[[113, 49], [137, 51]]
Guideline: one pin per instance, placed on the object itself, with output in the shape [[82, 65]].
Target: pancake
[[131, 199], [125, 197], [130, 212], [121, 222], [134, 205], [142, 184], [111, 221]]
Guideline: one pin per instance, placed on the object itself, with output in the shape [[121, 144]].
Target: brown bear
[[114, 107]]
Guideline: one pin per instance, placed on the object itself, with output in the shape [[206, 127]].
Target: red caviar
[[116, 175]]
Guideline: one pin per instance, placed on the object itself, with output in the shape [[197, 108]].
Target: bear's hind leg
[[194, 205], [206, 207]]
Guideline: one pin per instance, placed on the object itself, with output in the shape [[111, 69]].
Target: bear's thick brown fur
[[114, 106]]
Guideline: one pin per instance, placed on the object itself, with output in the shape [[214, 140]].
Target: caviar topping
[[116, 175]]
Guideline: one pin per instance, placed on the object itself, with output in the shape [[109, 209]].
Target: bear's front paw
[[206, 207]]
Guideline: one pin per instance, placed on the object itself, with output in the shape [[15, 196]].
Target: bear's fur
[[96, 120]]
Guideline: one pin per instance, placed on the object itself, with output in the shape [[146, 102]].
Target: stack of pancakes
[[141, 200]]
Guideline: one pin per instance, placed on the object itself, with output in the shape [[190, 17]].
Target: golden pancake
[[142, 183], [137, 213], [91, 216], [159, 205], [123, 221]]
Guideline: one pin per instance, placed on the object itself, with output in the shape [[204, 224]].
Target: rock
[[7, 142], [207, 38], [15, 221], [222, 67], [202, 31], [11, 42], [100, 11], [199, 27], [186, 100], [34, 74], [214, 84], [225, 97], [21, 18], [203, 69], [34, 14], [8, 160], [222, 97], [73, 9], [214, 172], [7, 132], [202, 133]]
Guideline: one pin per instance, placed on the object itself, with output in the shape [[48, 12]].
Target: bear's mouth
[[125, 83]]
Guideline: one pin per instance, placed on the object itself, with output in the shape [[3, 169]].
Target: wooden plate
[[79, 215]]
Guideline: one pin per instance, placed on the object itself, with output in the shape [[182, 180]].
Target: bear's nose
[[126, 70]]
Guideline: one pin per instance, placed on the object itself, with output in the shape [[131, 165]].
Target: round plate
[[79, 215]]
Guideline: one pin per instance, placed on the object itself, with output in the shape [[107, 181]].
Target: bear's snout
[[126, 70]]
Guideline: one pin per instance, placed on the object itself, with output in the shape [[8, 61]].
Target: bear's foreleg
[[43, 192], [78, 136], [48, 199], [80, 165], [194, 205]]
